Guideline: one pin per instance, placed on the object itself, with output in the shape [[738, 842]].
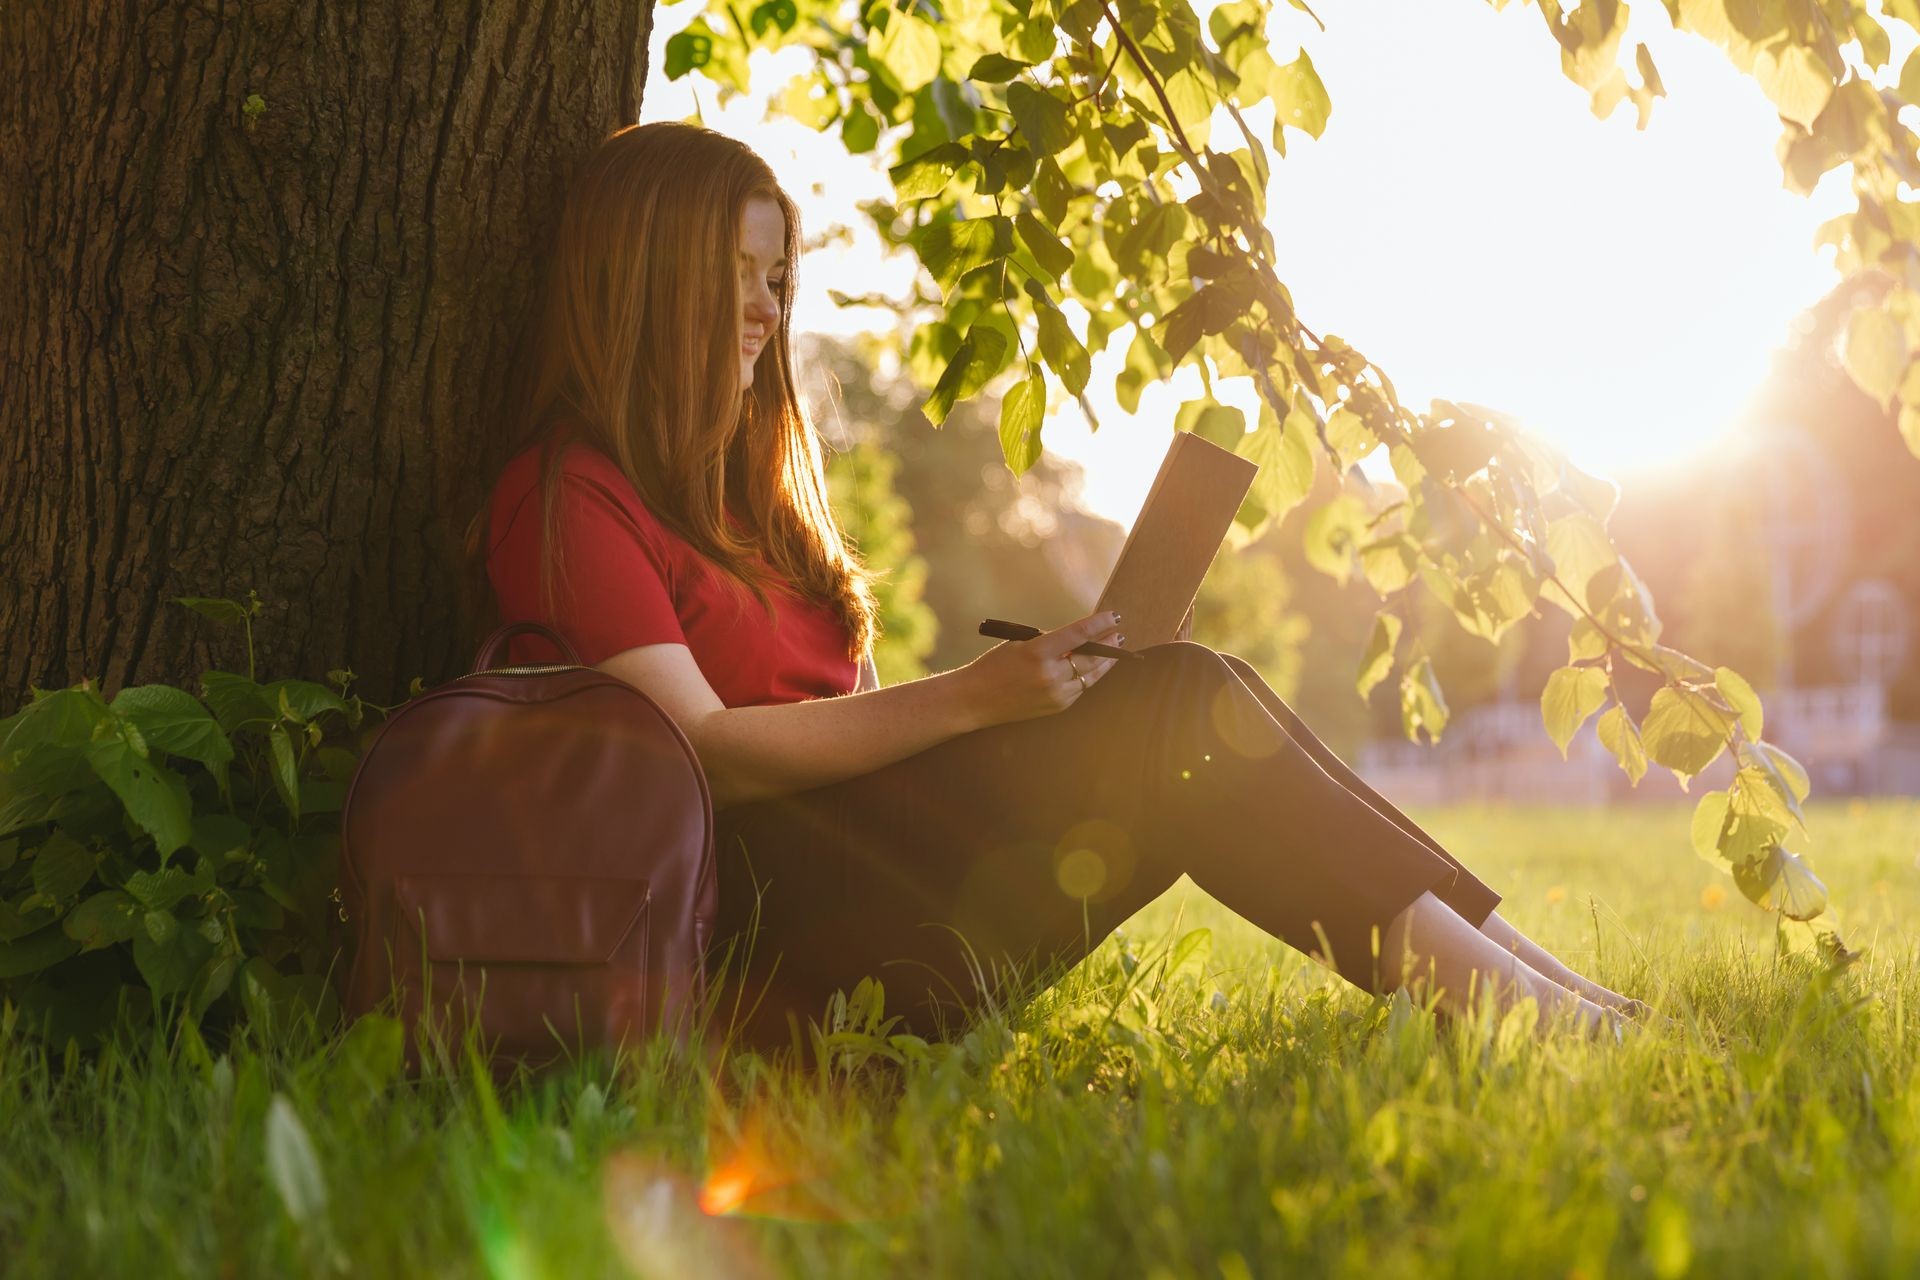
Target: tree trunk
[[261, 268]]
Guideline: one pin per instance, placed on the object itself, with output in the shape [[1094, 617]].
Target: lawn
[[1185, 1104]]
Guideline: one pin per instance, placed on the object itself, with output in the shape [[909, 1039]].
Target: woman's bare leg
[[1429, 946], [1545, 963]]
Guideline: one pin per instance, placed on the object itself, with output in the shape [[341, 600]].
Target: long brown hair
[[635, 348]]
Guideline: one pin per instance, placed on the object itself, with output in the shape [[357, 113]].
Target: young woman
[[667, 514]]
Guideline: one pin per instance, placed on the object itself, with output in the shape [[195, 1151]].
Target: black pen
[[1001, 630]]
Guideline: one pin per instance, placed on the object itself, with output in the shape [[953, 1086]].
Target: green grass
[[1286, 1125]]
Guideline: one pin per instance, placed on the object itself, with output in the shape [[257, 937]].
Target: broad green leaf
[[286, 770], [1875, 353], [1792, 770], [219, 834], [220, 610], [1022, 410], [995, 68], [773, 15], [35, 952], [1741, 697], [62, 867], [102, 920], [1285, 458], [303, 700], [1795, 79], [687, 50], [1332, 536], [1580, 548], [1053, 256], [1684, 732], [1063, 351], [859, 129], [162, 890], [1349, 436], [172, 720], [1378, 660], [168, 966], [236, 700], [1585, 641], [1781, 881], [909, 49], [1299, 98], [951, 249], [1618, 735], [1389, 563], [1572, 694], [1043, 118], [927, 173], [155, 797], [65, 718], [1709, 819], [1421, 704], [981, 355]]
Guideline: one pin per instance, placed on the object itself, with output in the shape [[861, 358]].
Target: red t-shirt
[[630, 580]]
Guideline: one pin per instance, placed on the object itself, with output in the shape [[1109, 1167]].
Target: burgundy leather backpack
[[533, 846]]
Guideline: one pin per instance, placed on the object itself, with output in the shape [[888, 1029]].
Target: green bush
[[163, 855]]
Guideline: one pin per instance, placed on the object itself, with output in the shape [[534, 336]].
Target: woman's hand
[[1021, 679]]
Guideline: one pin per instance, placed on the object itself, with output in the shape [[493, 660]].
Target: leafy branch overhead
[[1076, 175]]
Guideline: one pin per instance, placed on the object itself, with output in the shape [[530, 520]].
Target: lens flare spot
[[1242, 723], [1186, 774], [1712, 896], [1558, 893], [1081, 873]]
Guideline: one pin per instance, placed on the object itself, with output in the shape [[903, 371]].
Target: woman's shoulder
[[590, 481]]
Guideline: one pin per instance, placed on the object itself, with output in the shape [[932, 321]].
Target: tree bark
[[259, 342]]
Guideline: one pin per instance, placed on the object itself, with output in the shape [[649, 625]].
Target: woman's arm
[[753, 753]]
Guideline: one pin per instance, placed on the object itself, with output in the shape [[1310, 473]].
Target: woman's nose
[[762, 307]]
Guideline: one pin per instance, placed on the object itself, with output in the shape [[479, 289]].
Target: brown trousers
[[1018, 848]]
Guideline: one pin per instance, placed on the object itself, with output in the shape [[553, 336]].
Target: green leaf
[[1378, 660], [1579, 547], [1332, 535], [155, 797], [773, 14], [1349, 436], [687, 50], [1782, 881], [219, 610], [1422, 706], [1709, 819], [236, 699], [219, 834], [1043, 118], [102, 920], [286, 772], [1790, 769], [174, 721], [162, 890], [1022, 410], [928, 173], [951, 249], [909, 49], [35, 952], [65, 718], [1572, 694], [1618, 735], [1299, 98], [1192, 949], [1389, 563], [1063, 351], [1741, 697], [1795, 78], [1053, 256], [170, 960], [62, 867], [1285, 458], [1585, 641], [859, 129], [995, 68], [303, 700], [1875, 354], [1684, 732]]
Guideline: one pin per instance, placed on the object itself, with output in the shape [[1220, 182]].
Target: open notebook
[[1181, 525]]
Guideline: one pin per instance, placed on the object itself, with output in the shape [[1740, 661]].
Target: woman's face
[[763, 272]]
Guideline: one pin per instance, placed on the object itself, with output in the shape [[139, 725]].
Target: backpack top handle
[[494, 646]]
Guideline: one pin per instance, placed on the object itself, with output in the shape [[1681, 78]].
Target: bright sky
[[1464, 220]]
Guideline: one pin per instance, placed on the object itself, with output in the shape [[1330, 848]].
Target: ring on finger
[[1076, 673]]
